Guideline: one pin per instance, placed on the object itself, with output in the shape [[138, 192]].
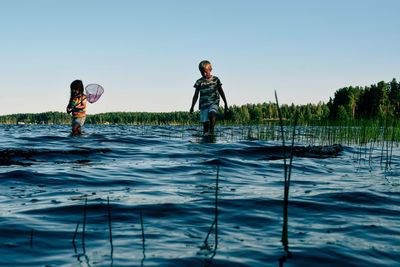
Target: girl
[[77, 106]]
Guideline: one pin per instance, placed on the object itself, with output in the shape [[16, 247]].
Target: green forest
[[375, 102]]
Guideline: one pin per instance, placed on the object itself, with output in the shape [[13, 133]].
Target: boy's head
[[205, 69], [77, 87]]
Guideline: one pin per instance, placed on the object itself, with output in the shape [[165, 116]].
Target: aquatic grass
[[392, 141], [110, 230], [83, 237], [287, 175], [214, 225], [74, 237], [215, 221], [389, 139], [83, 232], [109, 222], [350, 133], [284, 229]]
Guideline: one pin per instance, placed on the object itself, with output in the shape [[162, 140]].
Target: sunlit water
[[164, 209]]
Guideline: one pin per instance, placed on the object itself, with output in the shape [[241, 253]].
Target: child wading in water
[[210, 89], [77, 106]]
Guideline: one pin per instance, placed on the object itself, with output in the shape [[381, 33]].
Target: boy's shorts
[[80, 121], [204, 113]]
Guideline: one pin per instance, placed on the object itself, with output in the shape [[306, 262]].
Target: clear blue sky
[[146, 53]]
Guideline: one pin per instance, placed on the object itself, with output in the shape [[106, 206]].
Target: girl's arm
[[77, 102]]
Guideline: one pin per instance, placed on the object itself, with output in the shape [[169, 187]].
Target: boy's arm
[[194, 100], [222, 94]]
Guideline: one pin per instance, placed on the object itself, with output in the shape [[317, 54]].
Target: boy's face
[[207, 72]]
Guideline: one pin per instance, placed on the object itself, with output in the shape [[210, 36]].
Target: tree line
[[378, 101], [244, 114], [381, 100]]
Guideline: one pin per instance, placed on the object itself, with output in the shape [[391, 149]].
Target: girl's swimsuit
[[78, 105]]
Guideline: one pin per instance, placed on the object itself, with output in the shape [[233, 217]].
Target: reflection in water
[[110, 228], [84, 226], [83, 253], [214, 225], [143, 239], [74, 237], [79, 255], [205, 138], [74, 245], [31, 240]]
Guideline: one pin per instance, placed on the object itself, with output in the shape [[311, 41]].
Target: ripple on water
[[164, 208]]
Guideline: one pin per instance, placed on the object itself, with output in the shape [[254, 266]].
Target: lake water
[[146, 196]]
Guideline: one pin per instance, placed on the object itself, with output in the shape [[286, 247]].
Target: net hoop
[[93, 92]]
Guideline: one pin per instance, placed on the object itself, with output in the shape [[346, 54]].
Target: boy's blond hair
[[203, 64]]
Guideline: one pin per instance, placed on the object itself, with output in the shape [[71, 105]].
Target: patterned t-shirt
[[208, 91], [78, 105]]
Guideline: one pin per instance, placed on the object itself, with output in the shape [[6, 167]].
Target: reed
[[215, 221], [282, 136], [214, 225], [110, 228], [83, 237], [392, 141], [287, 175], [350, 133], [75, 233]]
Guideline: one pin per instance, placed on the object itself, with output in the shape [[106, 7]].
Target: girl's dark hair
[[77, 84]]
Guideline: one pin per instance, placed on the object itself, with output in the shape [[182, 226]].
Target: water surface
[[155, 189]]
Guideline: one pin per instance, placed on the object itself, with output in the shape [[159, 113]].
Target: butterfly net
[[93, 92]]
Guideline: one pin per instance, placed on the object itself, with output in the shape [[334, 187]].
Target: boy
[[210, 89]]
